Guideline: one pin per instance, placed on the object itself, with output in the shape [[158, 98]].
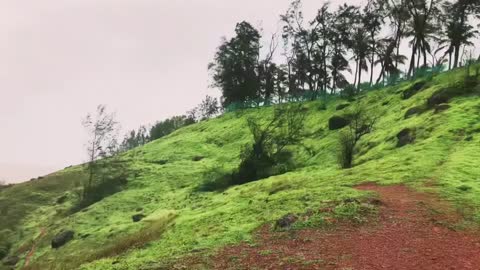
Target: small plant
[[361, 123]]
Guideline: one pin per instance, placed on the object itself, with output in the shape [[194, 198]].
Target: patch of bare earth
[[412, 232]]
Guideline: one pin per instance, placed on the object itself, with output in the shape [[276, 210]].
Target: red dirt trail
[[407, 235]]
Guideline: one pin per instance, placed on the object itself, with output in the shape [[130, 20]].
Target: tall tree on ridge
[[458, 31], [421, 30], [340, 41], [235, 65], [373, 20]]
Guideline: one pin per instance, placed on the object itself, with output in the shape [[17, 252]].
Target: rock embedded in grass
[[410, 92], [138, 217], [342, 106], [414, 110], [62, 238], [286, 221], [11, 261], [406, 136], [441, 107], [198, 158], [338, 122]]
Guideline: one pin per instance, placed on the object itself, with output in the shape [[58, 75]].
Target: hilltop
[[179, 220]]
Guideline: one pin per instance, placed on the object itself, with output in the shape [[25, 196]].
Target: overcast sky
[[146, 59]]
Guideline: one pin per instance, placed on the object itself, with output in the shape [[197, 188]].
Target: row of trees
[[318, 53], [208, 108]]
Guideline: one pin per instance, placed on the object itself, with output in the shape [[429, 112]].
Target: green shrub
[[217, 179], [267, 155]]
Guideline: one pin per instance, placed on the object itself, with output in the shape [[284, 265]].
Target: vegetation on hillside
[[195, 183]]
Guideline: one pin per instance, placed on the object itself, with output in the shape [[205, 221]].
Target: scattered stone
[[198, 158], [62, 199], [338, 122], [415, 110], [405, 137], [444, 95], [410, 92], [83, 236], [464, 188], [138, 217], [342, 106], [11, 261], [469, 139], [351, 200], [441, 107], [161, 162], [286, 221], [374, 201], [62, 238]]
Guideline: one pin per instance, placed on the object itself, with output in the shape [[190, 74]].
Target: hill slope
[[180, 221]]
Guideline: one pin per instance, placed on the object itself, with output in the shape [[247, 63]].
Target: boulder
[[414, 110], [286, 221], [444, 95], [441, 107], [138, 217], [338, 122], [405, 137], [62, 238], [439, 97], [11, 261], [410, 92], [342, 106]]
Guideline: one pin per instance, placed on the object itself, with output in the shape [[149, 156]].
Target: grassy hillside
[[180, 220]]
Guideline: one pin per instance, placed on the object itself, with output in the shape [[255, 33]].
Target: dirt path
[[408, 235], [30, 254]]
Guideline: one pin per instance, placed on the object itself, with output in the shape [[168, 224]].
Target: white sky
[[146, 59]]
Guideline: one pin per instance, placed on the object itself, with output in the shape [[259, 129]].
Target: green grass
[[446, 153]]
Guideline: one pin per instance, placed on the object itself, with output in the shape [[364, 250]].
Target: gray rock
[[138, 217], [441, 107], [338, 122], [11, 261], [286, 221], [405, 137], [415, 110], [62, 238]]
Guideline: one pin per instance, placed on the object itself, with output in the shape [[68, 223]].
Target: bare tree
[[102, 129]]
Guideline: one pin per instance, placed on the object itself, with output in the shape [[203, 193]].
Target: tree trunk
[[411, 69], [418, 58], [424, 58], [359, 77], [356, 73], [371, 68], [457, 54], [382, 73], [449, 60]]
